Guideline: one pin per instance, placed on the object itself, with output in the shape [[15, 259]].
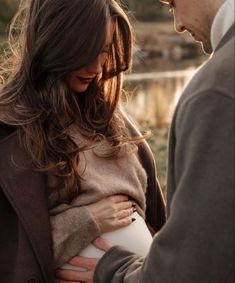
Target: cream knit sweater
[[73, 228]]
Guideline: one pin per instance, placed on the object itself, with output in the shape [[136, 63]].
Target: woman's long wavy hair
[[53, 38]]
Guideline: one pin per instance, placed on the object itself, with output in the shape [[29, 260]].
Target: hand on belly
[[135, 237]]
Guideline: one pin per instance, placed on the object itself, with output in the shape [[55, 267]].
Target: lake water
[[152, 100], [154, 95]]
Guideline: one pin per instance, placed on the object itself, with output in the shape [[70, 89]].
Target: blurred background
[[163, 63]]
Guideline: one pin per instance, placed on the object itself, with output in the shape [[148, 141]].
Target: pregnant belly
[[135, 237]]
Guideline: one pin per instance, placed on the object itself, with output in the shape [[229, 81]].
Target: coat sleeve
[[196, 244], [72, 231]]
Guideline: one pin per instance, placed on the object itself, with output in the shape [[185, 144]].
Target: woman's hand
[[66, 276], [112, 212]]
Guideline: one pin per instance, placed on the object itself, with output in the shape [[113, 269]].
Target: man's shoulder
[[215, 76], [223, 60]]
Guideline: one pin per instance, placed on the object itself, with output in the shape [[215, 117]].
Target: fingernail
[[133, 219], [134, 205], [134, 210]]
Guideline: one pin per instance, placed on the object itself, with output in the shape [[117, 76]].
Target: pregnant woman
[[60, 110]]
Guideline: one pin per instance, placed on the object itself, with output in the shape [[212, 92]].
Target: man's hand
[[71, 276]]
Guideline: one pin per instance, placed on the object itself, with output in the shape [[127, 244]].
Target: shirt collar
[[222, 22]]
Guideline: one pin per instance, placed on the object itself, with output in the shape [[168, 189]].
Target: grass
[[158, 143]]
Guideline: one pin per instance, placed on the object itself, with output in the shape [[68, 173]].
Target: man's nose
[[96, 66], [179, 26]]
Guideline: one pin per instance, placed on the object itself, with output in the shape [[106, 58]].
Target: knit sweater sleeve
[[72, 231]]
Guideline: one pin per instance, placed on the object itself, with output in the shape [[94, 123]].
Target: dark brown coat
[[25, 237]]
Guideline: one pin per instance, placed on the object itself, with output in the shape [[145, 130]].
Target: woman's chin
[[80, 89]]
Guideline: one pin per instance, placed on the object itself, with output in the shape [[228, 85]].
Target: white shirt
[[223, 20]]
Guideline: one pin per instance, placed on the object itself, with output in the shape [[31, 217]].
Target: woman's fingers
[[112, 213], [102, 244], [124, 213], [123, 208], [124, 222], [124, 205]]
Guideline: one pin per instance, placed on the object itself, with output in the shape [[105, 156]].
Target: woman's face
[[80, 79]]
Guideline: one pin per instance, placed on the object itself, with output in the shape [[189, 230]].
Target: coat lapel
[[25, 191], [227, 37]]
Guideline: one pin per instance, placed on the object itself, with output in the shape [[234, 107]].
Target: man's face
[[196, 17]]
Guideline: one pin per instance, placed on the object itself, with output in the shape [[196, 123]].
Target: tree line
[[7, 11], [142, 10]]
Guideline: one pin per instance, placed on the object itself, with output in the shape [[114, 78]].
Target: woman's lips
[[85, 80]]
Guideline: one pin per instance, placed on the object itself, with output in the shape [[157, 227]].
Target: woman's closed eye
[[106, 49]]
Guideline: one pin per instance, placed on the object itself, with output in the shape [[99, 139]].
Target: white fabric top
[[222, 22]]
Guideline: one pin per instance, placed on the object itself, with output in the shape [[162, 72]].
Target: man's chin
[[207, 48]]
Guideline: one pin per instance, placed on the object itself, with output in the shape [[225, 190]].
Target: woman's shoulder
[[130, 124]]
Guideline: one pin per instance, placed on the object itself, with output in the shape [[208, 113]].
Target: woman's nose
[[96, 66]]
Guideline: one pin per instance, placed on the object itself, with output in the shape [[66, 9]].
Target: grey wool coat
[[196, 245], [25, 232]]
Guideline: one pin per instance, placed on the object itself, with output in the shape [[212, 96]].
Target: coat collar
[[25, 191], [222, 22], [226, 38]]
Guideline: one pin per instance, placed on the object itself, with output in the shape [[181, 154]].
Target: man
[[196, 245]]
